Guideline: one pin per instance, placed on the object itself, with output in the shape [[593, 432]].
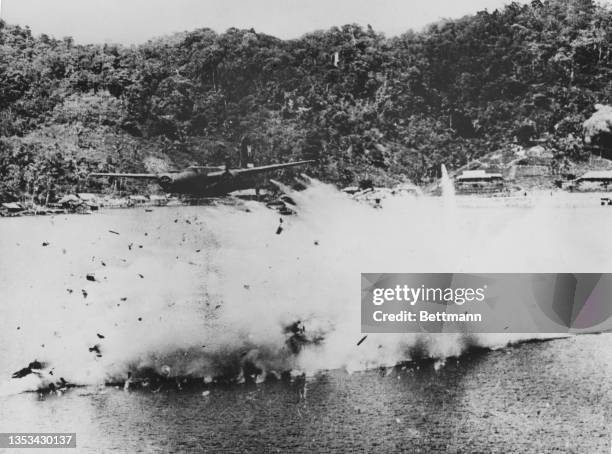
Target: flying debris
[[280, 227], [33, 368]]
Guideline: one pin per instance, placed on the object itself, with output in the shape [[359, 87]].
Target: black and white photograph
[[306, 226]]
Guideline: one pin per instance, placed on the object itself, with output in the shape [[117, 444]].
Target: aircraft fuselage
[[207, 181], [199, 182]]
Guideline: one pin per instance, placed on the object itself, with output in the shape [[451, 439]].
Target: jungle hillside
[[367, 107]]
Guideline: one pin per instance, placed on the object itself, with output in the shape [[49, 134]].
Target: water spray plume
[[206, 288]]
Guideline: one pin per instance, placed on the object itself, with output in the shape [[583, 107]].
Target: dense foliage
[[367, 106]]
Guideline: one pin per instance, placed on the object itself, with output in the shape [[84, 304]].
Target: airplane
[[207, 181]]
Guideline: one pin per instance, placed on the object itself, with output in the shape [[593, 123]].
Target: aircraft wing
[[260, 169], [149, 176]]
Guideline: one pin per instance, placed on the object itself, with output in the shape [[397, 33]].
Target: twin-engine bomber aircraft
[[206, 181]]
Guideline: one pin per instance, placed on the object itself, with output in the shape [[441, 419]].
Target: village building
[[479, 181], [593, 180]]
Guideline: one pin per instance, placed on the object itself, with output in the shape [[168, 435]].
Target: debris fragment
[[247, 286], [148, 210], [280, 227], [100, 336], [205, 393], [112, 231], [130, 246], [84, 293], [102, 262], [361, 340], [95, 348], [124, 298], [316, 243], [141, 276], [69, 290], [91, 277], [45, 243], [33, 367], [297, 336]]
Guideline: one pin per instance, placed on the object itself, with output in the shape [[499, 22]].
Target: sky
[[136, 21]]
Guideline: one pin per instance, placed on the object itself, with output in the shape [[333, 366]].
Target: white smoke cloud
[[196, 290], [599, 122]]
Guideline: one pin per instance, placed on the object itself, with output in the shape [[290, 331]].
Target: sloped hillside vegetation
[[366, 106]]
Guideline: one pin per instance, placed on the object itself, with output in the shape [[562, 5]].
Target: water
[[533, 398], [196, 290]]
